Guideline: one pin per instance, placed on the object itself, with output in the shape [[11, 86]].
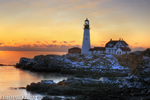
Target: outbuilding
[[97, 50], [74, 50]]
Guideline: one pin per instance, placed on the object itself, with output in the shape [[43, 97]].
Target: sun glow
[[59, 23]]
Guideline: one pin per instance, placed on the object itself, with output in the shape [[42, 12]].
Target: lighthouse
[[86, 38]]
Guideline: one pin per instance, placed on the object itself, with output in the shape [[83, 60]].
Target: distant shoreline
[[6, 65]]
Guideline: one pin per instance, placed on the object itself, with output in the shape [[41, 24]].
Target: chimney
[[110, 39]]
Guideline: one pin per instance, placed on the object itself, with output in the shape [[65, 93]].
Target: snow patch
[[48, 81]]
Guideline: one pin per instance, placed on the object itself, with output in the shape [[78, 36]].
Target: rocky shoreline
[[96, 77], [6, 65], [127, 88], [65, 65]]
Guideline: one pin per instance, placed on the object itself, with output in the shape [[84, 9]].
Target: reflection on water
[[12, 77], [13, 57], [47, 76]]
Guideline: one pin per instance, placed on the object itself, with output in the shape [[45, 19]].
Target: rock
[[147, 80], [88, 88], [104, 80], [47, 98], [13, 88], [18, 65], [39, 58], [144, 91], [146, 52], [27, 66], [23, 61], [21, 87], [62, 83]]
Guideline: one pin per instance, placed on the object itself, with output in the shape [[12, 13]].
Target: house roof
[[74, 48], [125, 49], [114, 43], [97, 49]]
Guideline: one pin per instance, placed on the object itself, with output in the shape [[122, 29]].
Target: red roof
[[125, 49], [97, 49], [74, 48], [114, 42]]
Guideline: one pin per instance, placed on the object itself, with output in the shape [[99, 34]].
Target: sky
[[56, 25]]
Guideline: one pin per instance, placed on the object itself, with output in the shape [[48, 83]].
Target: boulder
[[62, 83], [27, 66], [18, 65], [39, 58], [47, 98], [147, 80], [23, 60]]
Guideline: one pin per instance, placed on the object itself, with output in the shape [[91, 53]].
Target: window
[[109, 50], [110, 45], [117, 46], [119, 52], [86, 38]]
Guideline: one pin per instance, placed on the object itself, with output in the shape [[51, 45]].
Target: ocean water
[[12, 78], [13, 57]]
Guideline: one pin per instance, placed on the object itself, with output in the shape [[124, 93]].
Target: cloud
[[65, 41], [136, 43], [71, 41], [102, 41], [1, 43], [35, 47], [54, 41], [102, 44], [46, 42], [38, 41]]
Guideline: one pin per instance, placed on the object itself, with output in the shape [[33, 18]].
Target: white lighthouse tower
[[86, 38]]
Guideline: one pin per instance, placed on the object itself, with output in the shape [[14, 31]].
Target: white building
[[86, 38], [112, 47]]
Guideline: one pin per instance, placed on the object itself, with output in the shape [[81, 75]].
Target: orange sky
[[57, 25]]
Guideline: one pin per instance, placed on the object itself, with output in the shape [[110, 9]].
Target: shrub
[[85, 62], [72, 58], [131, 61]]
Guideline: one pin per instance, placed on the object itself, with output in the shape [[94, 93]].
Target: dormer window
[[110, 45]]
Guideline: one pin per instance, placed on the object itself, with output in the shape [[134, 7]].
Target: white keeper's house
[[112, 47]]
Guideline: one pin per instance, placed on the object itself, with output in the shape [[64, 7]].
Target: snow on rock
[[146, 70], [114, 61], [105, 61], [48, 81], [88, 57], [104, 80], [68, 61], [111, 81], [145, 57]]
